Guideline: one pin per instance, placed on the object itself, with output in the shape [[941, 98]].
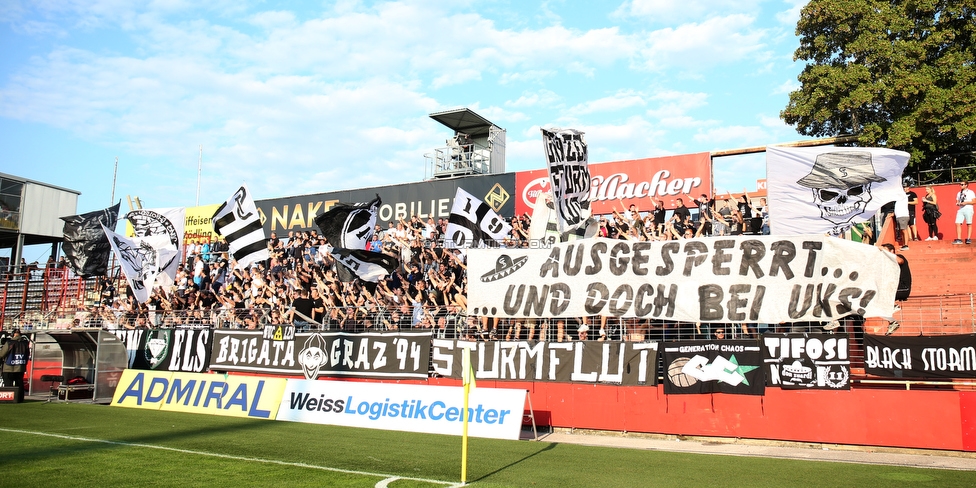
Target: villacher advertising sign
[[611, 363], [492, 412], [951, 356], [280, 350], [807, 361], [739, 279]]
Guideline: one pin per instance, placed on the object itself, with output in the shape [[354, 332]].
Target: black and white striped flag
[[473, 223], [240, 224]]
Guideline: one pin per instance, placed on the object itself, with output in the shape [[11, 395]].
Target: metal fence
[[926, 316]]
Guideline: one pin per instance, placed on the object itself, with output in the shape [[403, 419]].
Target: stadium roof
[[464, 120]]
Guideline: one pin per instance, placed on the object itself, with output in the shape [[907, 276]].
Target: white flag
[[169, 222], [240, 224], [814, 190], [473, 223], [569, 175], [140, 259]]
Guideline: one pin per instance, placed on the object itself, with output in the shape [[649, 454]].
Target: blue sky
[[306, 97]]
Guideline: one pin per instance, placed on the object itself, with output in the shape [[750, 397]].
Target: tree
[[898, 74]]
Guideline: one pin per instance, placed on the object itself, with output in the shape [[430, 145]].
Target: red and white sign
[[620, 183]]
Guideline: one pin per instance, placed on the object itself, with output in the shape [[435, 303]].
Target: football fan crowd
[[299, 285]]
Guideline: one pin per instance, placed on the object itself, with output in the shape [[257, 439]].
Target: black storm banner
[[186, 350], [713, 367], [279, 350], [425, 199], [592, 362], [807, 361], [952, 356]]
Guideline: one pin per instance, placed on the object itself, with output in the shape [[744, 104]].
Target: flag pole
[[467, 374]]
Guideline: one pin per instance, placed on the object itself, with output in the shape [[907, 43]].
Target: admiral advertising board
[[492, 412], [618, 184], [425, 199], [224, 395]]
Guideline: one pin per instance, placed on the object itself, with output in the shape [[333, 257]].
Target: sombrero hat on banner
[[504, 266]]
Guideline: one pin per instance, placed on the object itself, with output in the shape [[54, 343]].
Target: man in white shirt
[[964, 200]]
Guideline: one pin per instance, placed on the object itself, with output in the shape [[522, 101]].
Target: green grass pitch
[[61, 444]]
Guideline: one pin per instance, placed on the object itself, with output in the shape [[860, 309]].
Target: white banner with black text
[[757, 279]]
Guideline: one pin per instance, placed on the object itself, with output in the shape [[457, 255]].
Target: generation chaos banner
[[713, 367], [735, 279]]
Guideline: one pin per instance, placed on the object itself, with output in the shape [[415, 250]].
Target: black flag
[[349, 226], [366, 265], [85, 246]]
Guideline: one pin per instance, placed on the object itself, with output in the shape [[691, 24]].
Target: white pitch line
[[387, 477]]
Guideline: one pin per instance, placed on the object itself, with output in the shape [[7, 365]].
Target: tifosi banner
[[952, 356], [713, 367], [279, 350], [739, 279], [612, 363], [807, 361], [492, 413], [167, 349], [619, 184], [230, 396]]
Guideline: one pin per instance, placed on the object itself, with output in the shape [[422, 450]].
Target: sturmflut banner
[[807, 361], [951, 356], [492, 412], [167, 349], [593, 362], [713, 367], [278, 349], [758, 279]]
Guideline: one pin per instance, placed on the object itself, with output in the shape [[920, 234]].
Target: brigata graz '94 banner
[[807, 361], [713, 367], [278, 349], [612, 363], [951, 356], [739, 279]]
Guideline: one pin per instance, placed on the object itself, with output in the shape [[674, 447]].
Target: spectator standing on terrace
[[912, 203], [930, 213], [680, 212], [964, 215], [659, 215], [904, 286]]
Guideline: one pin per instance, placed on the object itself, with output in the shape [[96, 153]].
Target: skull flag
[[815, 190]]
